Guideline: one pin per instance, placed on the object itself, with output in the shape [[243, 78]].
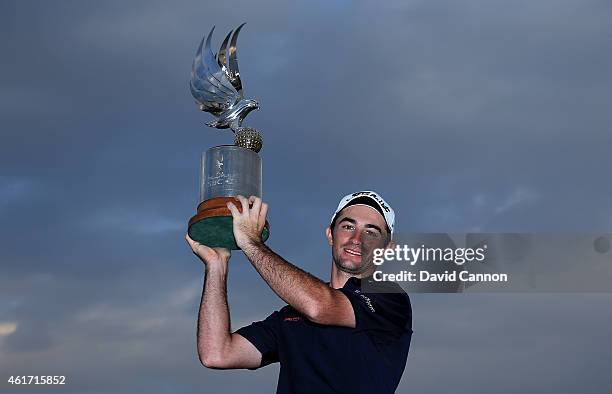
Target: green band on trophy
[[217, 232]]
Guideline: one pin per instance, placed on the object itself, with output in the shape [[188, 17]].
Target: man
[[350, 335]]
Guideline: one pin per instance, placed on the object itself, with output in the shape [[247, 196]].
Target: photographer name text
[[434, 257]]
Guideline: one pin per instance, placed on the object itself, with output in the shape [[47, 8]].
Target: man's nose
[[356, 238]]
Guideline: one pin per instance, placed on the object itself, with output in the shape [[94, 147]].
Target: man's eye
[[347, 227], [372, 233]]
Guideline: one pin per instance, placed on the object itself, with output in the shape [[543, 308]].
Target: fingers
[[261, 221], [256, 201], [206, 253], [258, 211], [250, 207], [233, 209], [248, 222], [197, 248], [195, 245], [244, 204], [191, 242]]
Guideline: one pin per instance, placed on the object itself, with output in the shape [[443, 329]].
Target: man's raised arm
[[217, 346], [307, 294]]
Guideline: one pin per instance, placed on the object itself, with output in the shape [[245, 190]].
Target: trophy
[[226, 170]]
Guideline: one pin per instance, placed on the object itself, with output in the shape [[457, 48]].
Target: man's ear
[[328, 234]]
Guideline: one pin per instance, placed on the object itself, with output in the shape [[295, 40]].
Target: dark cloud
[[476, 115]]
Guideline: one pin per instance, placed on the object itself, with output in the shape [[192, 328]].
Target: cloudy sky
[[471, 115]]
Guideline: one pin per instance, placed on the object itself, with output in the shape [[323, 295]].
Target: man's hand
[[212, 257], [249, 223]]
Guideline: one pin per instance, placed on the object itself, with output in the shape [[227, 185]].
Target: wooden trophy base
[[212, 225]]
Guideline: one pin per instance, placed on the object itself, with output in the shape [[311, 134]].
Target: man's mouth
[[352, 252]]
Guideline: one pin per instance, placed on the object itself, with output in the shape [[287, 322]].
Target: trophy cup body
[[227, 170]]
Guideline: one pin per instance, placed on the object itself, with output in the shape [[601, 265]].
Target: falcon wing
[[231, 68], [234, 74], [209, 84]]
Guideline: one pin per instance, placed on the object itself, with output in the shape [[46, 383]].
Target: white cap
[[371, 199]]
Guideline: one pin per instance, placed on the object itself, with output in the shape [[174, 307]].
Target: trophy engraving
[[220, 166], [227, 170]]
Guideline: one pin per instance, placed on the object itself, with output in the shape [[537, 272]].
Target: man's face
[[358, 230]]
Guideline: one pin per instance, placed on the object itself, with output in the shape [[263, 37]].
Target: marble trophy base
[[212, 225]]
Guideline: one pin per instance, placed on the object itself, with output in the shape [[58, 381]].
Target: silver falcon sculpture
[[217, 88]]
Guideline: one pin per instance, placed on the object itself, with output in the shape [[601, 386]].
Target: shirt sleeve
[[390, 313], [264, 336]]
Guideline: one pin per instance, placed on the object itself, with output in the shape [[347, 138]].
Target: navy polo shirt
[[369, 358]]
